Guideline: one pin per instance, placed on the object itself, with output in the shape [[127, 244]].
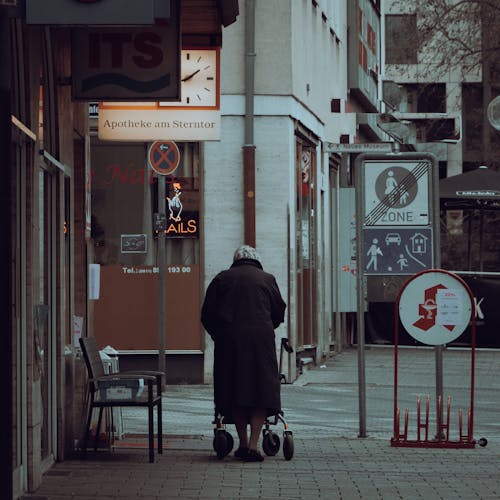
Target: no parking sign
[[163, 157]]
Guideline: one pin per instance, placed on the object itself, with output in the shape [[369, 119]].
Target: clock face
[[199, 79]]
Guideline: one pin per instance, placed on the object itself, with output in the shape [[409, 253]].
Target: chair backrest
[[92, 357]]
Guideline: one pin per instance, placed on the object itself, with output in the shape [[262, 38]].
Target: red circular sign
[[435, 306], [163, 157]]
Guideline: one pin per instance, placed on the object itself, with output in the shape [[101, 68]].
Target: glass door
[[45, 310], [306, 247]]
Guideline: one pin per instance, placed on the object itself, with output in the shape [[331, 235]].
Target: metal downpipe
[[249, 146]]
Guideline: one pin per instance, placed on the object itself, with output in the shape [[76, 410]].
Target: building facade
[[271, 180], [441, 81], [45, 196]]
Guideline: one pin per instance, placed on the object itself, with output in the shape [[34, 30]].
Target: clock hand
[[186, 78]]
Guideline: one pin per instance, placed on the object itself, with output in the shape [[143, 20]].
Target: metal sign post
[[435, 307], [163, 158], [397, 233], [162, 323]]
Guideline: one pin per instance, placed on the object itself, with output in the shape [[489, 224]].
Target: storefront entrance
[[125, 234], [307, 336]]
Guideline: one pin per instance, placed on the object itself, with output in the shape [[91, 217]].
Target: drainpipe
[[249, 146], [6, 299]]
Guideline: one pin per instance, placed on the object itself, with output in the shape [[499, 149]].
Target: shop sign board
[[146, 122], [93, 12], [126, 63], [134, 243]]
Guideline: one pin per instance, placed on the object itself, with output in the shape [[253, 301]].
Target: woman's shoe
[[241, 452], [253, 456]]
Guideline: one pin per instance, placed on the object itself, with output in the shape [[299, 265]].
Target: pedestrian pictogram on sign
[[163, 157], [397, 250], [396, 192]]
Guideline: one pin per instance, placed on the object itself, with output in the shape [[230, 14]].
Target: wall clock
[[199, 79]]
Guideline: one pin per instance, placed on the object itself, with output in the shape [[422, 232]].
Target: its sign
[[126, 63], [93, 12], [146, 122]]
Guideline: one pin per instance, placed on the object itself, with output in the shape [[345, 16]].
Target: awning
[[479, 188], [228, 11]]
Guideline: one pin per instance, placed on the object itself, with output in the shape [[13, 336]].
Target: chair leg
[[160, 429], [87, 429], [98, 431], [151, 431]]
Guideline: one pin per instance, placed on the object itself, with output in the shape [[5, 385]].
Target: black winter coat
[[242, 307]]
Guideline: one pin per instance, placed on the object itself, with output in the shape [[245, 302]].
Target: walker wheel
[[223, 443], [482, 442], [288, 446], [270, 443]]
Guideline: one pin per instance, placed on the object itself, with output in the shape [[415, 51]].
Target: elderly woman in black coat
[[242, 307]]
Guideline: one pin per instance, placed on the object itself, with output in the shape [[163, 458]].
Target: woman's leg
[[240, 418], [257, 418]]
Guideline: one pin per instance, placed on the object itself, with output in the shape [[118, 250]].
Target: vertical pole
[[249, 146], [396, 368], [161, 280], [6, 299], [338, 330], [249, 193], [434, 211], [360, 312]]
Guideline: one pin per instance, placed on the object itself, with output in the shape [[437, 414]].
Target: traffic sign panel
[[397, 250], [435, 307], [396, 192], [163, 157]]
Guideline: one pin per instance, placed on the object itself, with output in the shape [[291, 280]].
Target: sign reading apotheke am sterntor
[[146, 122]]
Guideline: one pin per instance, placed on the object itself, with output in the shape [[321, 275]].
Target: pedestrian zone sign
[[397, 250], [396, 192]]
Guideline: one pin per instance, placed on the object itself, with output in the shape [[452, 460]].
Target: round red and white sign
[[163, 157], [435, 307]]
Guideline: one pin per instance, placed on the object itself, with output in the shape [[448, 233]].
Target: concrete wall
[[300, 65]]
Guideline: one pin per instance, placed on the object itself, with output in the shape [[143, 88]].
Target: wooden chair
[[121, 389]]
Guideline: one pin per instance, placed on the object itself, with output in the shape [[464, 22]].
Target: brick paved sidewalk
[[327, 468]]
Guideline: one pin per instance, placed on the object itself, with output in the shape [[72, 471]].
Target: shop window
[[127, 224]]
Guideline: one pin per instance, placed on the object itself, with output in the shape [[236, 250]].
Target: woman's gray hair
[[246, 252]]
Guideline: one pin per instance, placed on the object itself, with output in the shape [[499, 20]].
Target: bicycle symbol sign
[[163, 157]]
